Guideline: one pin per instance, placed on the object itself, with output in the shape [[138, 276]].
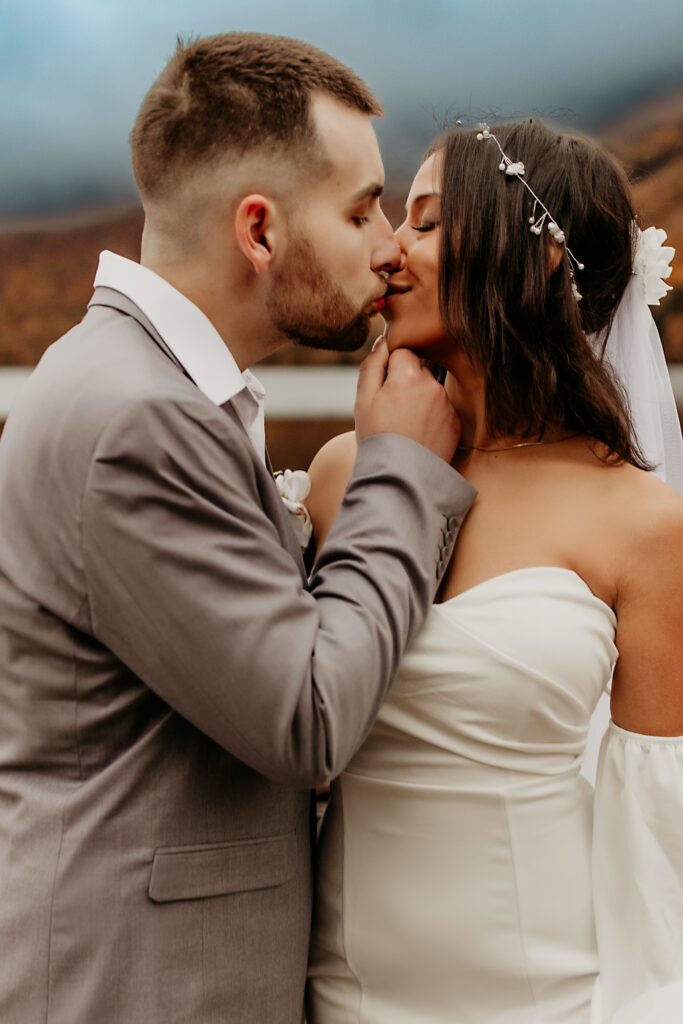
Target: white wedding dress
[[457, 874]]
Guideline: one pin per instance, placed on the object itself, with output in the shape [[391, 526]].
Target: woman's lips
[[395, 287], [392, 293]]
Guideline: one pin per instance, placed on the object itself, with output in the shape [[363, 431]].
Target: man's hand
[[397, 395]]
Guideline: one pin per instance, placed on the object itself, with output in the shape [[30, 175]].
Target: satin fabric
[[638, 878], [454, 880]]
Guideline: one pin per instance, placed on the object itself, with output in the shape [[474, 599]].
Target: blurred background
[[73, 73]]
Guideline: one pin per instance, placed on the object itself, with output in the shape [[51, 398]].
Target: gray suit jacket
[[171, 687]]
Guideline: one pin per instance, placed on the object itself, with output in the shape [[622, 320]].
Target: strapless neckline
[[516, 574], [454, 871]]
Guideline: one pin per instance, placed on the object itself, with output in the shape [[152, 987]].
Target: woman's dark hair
[[515, 318]]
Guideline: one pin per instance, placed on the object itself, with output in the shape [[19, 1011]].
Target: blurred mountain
[[650, 144], [47, 267], [46, 274]]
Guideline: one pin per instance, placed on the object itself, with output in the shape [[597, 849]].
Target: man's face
[[326, 287]]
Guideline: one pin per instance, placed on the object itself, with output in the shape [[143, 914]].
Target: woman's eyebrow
[[423, 195]]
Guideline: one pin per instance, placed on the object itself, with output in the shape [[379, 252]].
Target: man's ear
[[256, 229]]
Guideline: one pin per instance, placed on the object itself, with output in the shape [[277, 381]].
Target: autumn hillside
[[650, 143], [46, 269]]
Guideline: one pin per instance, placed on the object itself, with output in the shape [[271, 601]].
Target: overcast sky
[[73, 72]]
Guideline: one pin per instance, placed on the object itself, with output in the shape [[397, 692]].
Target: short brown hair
[[521, 325], [233, 93]]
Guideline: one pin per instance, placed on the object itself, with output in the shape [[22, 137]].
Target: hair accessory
[[634, 352], [516, 169], [651, 263]]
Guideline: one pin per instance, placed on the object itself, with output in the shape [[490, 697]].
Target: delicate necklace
[[520, 444]]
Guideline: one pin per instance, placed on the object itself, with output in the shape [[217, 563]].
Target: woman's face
[[412, 301]]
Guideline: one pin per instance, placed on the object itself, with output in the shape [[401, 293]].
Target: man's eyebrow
[[373, 191]]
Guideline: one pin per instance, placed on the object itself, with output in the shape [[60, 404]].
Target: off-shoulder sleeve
[[638, 878]]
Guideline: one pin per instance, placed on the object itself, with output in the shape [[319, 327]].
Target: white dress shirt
[[192, 339]]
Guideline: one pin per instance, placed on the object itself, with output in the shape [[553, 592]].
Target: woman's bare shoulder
[[334, 459], [644, 506], [329, 473], [644, 530], [624, 523]]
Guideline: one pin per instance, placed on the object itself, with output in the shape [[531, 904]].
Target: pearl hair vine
[[516, 169]]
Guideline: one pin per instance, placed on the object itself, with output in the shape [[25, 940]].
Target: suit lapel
[[272, 503]]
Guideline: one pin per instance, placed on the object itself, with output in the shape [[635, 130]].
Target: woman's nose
[[388, 252], [402, 236]]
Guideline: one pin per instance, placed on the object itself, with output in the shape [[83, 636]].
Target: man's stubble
[[306, 305]]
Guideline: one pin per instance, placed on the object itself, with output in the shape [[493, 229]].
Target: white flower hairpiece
[[651, 263], [516, 169], [294, 486]]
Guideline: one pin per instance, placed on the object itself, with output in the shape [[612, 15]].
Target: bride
[[467, 874]]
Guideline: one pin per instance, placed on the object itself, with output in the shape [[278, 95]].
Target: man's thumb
[[373, 371]]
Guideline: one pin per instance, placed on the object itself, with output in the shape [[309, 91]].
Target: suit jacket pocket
[[216, 869]]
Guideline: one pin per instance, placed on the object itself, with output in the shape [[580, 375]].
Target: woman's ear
[[554, 254], [256, 230]]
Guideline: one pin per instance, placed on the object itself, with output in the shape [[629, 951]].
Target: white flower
[[651, 263], [294, 487], [515, 169]]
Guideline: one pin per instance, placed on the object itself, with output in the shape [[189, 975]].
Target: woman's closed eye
[[428, 225]]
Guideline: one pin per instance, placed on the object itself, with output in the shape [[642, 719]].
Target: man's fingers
[[398, 395], [372, 372], [402, 363]]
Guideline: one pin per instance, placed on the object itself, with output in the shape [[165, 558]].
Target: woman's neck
[[466, 389]]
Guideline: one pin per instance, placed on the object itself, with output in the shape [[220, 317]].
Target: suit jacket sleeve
[[190, 587]]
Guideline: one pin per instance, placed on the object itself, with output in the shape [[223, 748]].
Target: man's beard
[[306, 305]]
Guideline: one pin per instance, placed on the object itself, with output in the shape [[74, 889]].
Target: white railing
[[292, 392]]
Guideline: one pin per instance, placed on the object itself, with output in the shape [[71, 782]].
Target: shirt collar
[[189, 334]]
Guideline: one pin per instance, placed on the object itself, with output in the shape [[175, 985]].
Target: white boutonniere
[[651, 263], [294, 487]]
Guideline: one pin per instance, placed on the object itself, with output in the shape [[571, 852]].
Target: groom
[[170, 685]]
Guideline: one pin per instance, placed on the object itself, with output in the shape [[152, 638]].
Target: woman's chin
[[427, 345], [396, 339], [394, 336]]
